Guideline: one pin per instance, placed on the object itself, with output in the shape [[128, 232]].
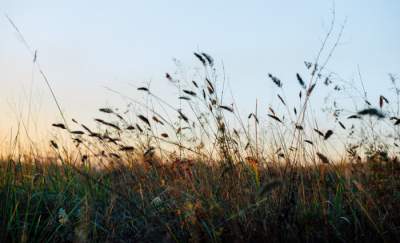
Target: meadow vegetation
[[199, 170]]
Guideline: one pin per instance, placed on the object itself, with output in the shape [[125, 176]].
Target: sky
[[85, 46]]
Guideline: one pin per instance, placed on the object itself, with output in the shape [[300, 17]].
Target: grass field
[[192, 201], [197, 171]]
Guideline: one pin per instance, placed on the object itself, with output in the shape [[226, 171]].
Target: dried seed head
[[144, 119], [106, 110], [59, 125], [276, 80], [328, 134], [301, 82], [323, 158], [200, 58], [371, 112]]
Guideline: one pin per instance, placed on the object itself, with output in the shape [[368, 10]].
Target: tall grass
[[198, 170], [193, 201]]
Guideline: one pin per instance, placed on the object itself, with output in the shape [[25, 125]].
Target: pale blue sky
[[86, 45]]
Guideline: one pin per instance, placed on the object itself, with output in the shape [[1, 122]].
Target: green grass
[[180, 202]]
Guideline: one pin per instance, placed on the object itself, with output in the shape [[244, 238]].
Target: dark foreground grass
[[189, 201]]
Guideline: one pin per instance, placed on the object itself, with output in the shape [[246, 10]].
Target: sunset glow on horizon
[[85, 48]]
